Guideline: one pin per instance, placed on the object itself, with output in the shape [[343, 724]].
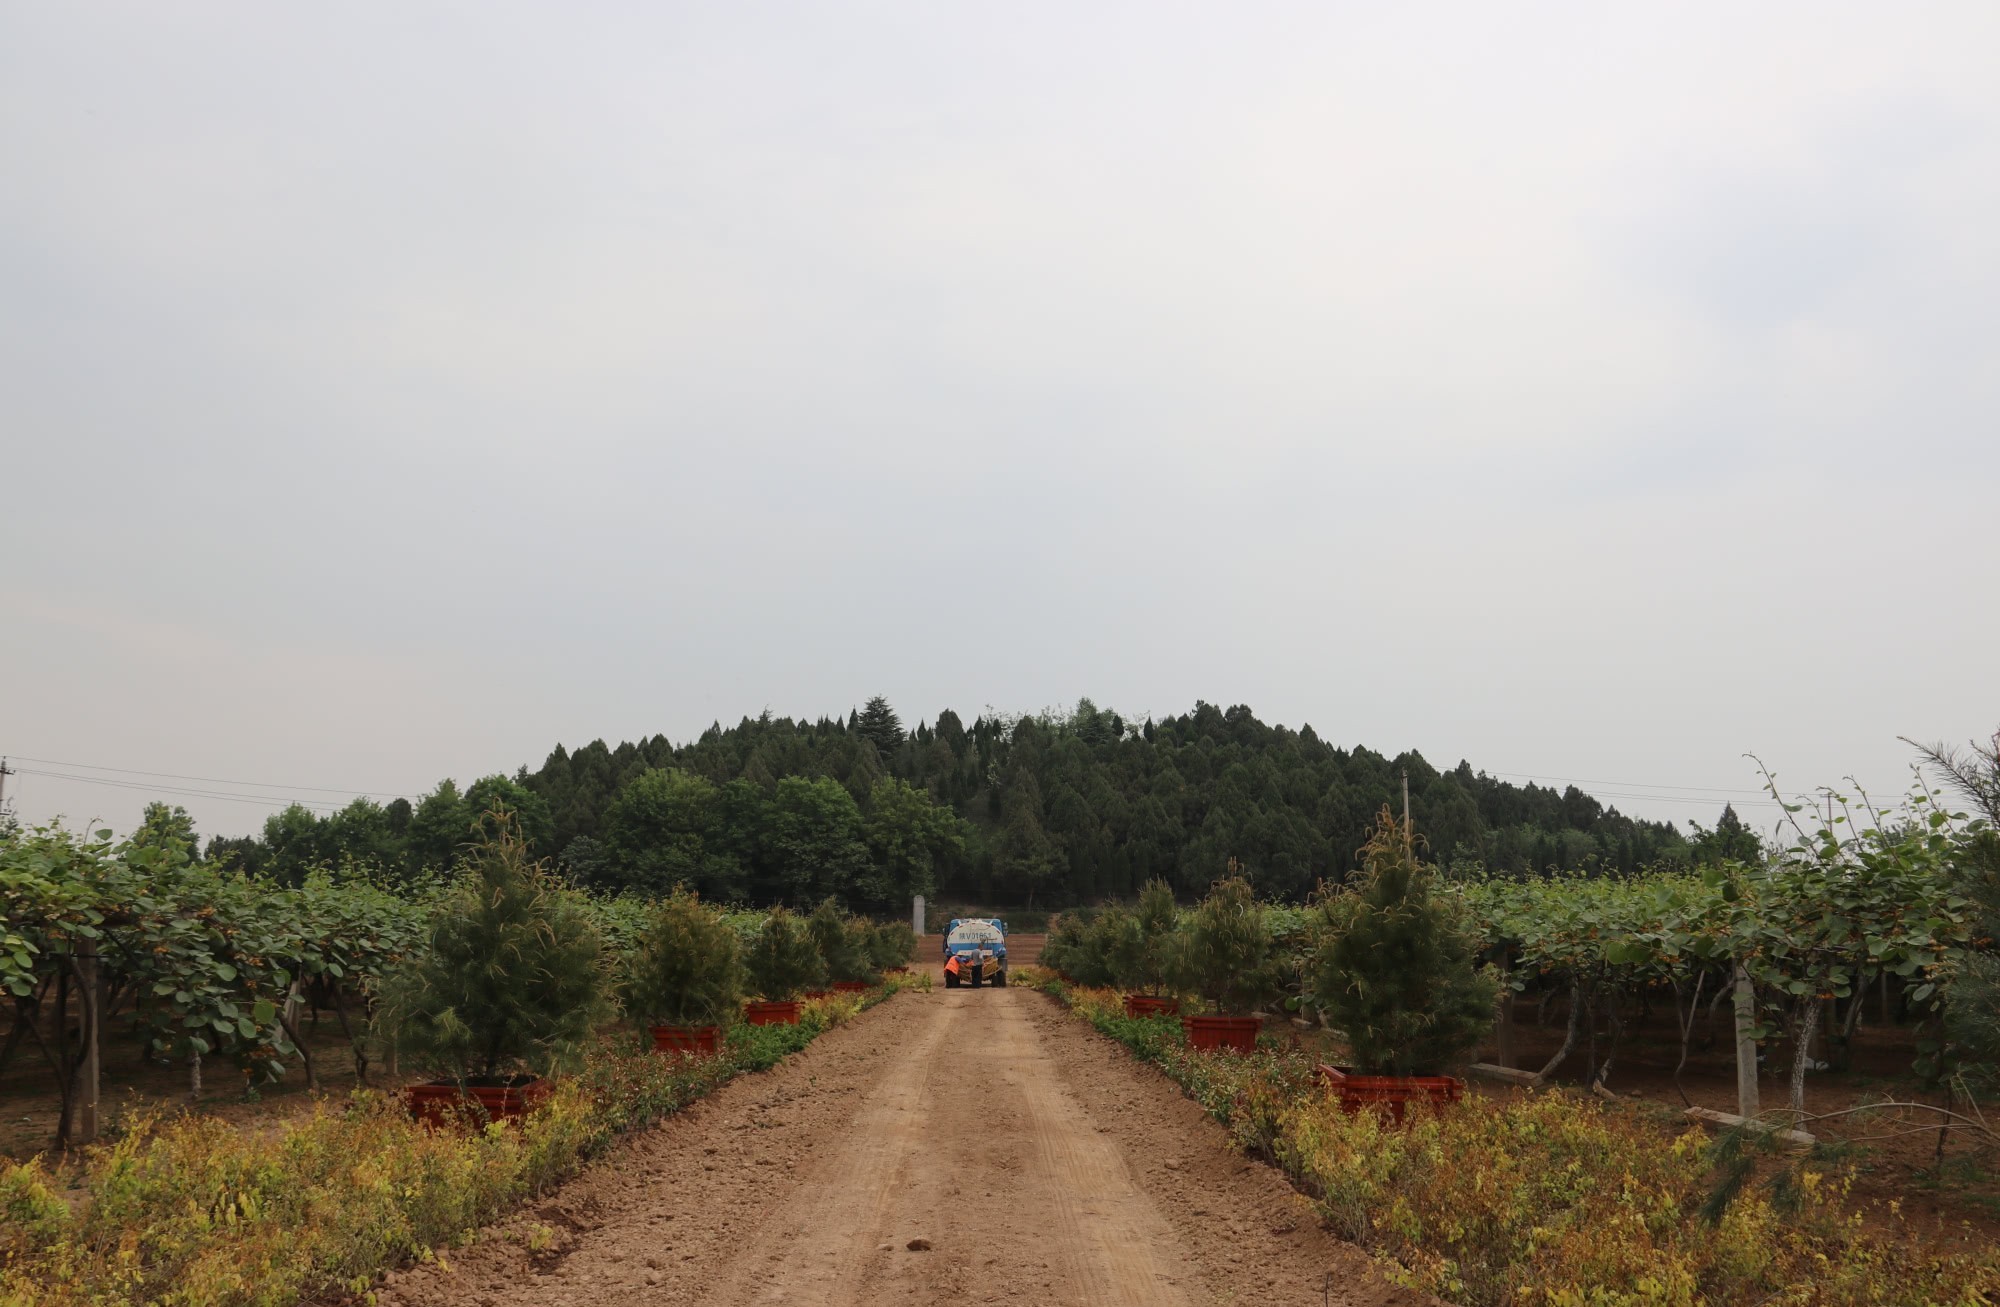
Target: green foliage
[[813, 837], [783, 961], [1972, 994], [880, 726], [909, 837], [688, 970], [1141, 949], [1225, 954], [1398, 973], [665, 829], [497, 804], [515, 975], [839, 943], [1730, 841], [164, 827], [1082, 943], [1056, 809], [890, 945], [209, 956]]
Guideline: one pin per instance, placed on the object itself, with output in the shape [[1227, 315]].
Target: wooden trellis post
[[91, 997]]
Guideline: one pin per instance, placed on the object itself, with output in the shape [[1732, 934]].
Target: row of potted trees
[[1395, 970], [516, 981]]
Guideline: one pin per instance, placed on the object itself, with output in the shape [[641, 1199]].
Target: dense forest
[[1045, 809]]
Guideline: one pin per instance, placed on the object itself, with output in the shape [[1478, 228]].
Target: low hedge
[[1547, 1199], [191, 1210]]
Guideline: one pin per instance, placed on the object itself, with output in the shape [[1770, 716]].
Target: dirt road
[[1039, 1163]]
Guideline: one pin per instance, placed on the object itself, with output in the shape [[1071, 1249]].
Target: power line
[[215, 780], [176, 791]]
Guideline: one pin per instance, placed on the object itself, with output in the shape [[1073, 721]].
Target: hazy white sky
[[392, 391]]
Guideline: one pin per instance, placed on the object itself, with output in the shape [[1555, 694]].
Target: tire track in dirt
[[1035, 1159], [818, 1232]]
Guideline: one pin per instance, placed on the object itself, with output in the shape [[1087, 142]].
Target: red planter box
[[442, 1103], [699, 1041], [850, 987], [1237, 1034], [785, 1013], [1149, 1005], [1390, 1094]]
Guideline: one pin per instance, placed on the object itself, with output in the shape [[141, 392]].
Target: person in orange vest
[[951, 965]]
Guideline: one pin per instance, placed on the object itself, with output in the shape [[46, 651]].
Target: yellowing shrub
[[1546, 1200], [193, 1212]]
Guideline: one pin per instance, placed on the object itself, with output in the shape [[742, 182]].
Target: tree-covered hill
[[1048, 809]]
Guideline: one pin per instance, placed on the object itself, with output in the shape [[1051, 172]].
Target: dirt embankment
[[956, 1147]]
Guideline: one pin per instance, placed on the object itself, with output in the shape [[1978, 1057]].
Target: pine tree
[[1972, 998], [1142, 957], [514, 975], [836, 942], [688, 969], [1225, 955], [1398, 974], [891, 944], [1972, 993], [783, 961]]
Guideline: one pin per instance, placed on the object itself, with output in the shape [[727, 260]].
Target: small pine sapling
[[1142, 949], [837, 943], [1972, 993], [514, 977], [891, 944], [1398, 973], [688, 967], [1225, 953], [783, 962], [1081, 945]]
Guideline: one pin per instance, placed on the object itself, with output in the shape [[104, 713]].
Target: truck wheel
[[999, 980]]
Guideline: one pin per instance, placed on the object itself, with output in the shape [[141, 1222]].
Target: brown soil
[[949, 1147]]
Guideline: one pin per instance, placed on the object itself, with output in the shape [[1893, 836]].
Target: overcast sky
[[1587, 391]]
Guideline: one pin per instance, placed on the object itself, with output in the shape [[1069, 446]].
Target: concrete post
[[1747, 1105], [917, 916]]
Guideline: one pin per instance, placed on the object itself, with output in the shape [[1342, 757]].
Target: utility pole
[[5, 772], [1406, 800]]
